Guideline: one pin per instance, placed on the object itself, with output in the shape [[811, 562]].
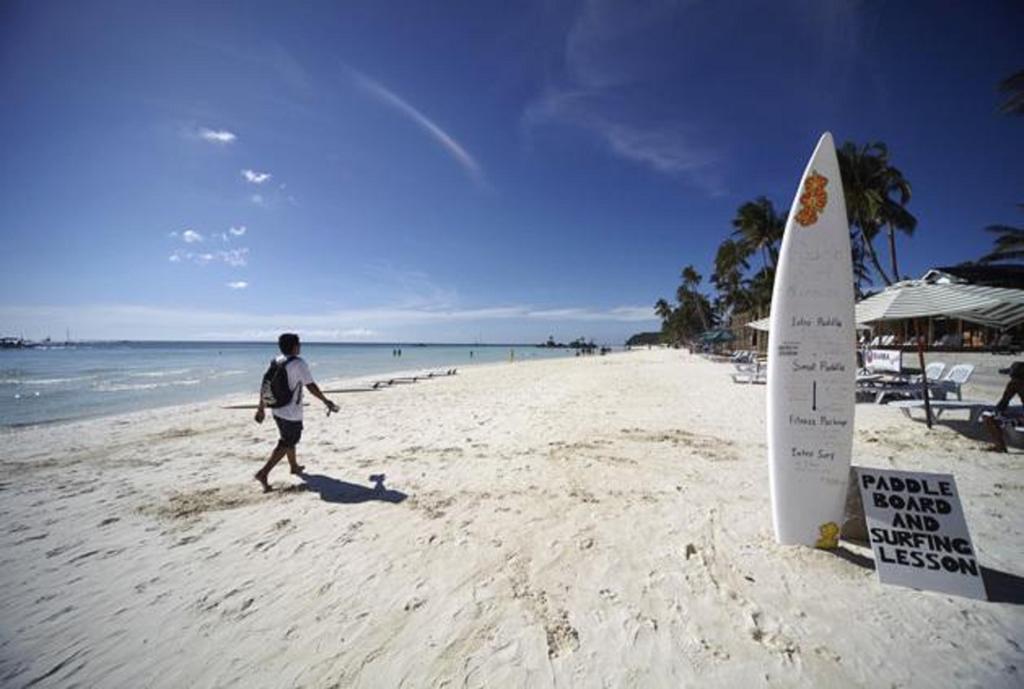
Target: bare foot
[[298, 469], [263, 482]]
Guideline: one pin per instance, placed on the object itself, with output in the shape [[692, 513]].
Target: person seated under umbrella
[[996, 421]]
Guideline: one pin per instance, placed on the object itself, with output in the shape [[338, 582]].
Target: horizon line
[[415, 343]]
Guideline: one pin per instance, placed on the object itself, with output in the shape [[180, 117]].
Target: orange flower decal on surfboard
[[813, 199]]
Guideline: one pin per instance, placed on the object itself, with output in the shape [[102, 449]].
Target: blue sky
[[459, 171]]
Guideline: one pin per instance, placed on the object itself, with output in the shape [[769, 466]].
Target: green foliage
[[876, 198], [1009, 243], [759, 229], [1012, 87], [641, 339], [692, 314]]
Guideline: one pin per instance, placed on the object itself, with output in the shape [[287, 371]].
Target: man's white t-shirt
[[298, 378]]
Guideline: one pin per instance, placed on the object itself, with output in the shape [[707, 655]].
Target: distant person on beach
[[995, 422], [288, 417]]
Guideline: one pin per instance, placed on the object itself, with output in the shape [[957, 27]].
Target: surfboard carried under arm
[[812, 360]]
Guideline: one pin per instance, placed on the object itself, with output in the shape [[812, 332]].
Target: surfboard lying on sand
[[812, 360]]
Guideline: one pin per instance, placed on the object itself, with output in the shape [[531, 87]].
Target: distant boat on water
[[22, 343]]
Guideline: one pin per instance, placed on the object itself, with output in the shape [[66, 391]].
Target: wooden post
[[924, 374]]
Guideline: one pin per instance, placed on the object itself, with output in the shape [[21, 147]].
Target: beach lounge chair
[[975, 408], [753, 365], [755, 373], [939, 387], [907, 386], [954, 381], [750, 377], [932, 371]]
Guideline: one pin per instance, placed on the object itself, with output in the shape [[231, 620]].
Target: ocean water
[[88, 380]]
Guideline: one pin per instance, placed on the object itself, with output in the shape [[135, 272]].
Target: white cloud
[[236, 258], [217, 136], [270, 59], [612, 58], [191, 236], [237, 231], [393, 100], [122, 321], [620, 314], [255, 177], [666, 148], [238, 284], [356, 332], [669, 148], [257, 199]]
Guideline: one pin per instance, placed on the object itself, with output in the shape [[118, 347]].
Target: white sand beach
[[591, 522]]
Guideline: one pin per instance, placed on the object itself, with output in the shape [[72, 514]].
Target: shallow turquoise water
[[86, 380]]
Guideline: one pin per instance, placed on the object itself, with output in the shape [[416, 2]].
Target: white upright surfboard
[[812, 360]]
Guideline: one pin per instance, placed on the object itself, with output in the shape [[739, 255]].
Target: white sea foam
[[130, 387], [42, 381], [159, 374], [230, 372]]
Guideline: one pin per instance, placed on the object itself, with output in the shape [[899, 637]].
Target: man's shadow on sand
[[1002, 587], [335, 490]]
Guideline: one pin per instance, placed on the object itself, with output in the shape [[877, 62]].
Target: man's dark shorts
[[290, 431]]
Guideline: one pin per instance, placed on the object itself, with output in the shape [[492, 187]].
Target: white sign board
[[917, 531], [888, 360]]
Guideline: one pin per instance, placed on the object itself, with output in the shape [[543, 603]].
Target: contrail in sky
[[388, 97]]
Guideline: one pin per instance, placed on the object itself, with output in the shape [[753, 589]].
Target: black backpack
[[275, 391]]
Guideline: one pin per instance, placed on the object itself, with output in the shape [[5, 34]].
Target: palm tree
[[1009, 243], [861, 272], [691, 278], [690, 300], [759, 290], [663, 310], [730, 265], [1013, 88], [870, 184], [759, 228]]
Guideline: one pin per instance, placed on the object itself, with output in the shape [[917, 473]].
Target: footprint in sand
[[193, 504]]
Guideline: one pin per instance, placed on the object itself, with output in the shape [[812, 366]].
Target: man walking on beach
[[289, 416]]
